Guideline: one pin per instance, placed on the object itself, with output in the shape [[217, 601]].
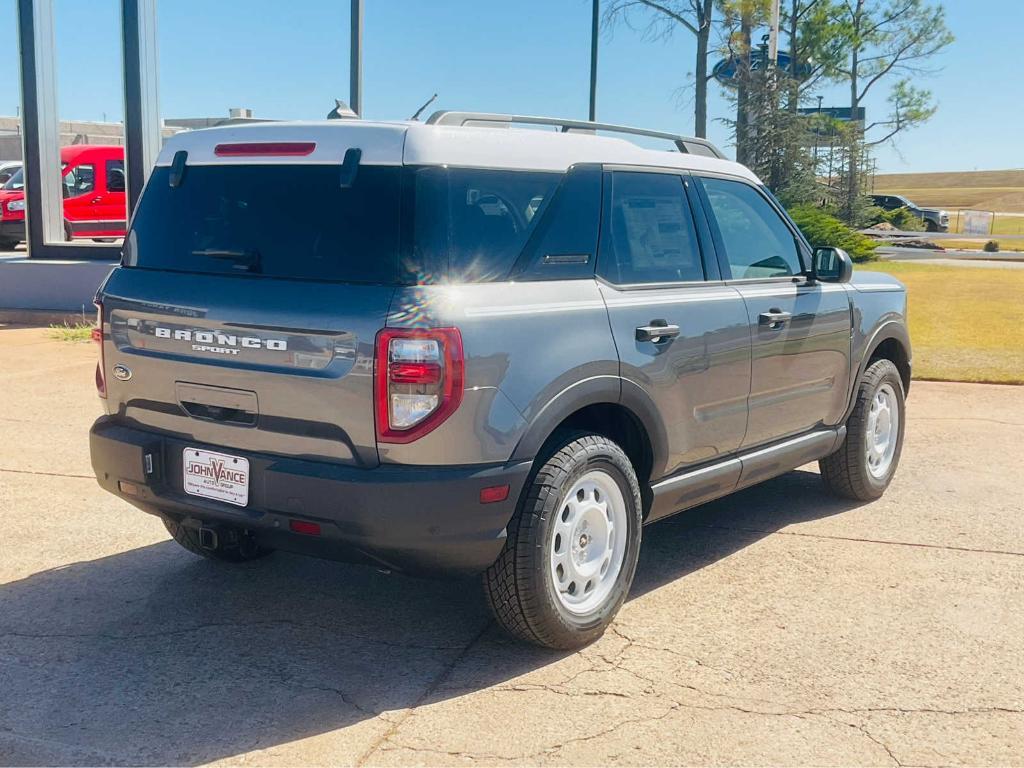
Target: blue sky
[[290, 60]]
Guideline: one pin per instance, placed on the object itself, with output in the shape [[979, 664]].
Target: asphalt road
[[779, 626]]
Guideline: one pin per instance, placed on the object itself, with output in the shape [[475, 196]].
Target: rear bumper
[[415, 519]]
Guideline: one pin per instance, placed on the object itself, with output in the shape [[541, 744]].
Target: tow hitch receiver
[[208, 538]]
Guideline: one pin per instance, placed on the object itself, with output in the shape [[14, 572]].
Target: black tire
[[930, 226], [8, 245], [236, 548], [520, 587], [846, 471]]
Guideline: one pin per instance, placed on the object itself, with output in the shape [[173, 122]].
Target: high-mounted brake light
[[97, 336], [265, 148], [419, 377]]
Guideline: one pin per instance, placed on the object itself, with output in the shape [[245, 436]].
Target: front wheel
[[864, 465], [572, 547]]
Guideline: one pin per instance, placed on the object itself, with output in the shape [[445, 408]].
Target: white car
[[7, 169]]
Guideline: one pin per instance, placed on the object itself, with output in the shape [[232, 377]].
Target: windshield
[[17, 181]]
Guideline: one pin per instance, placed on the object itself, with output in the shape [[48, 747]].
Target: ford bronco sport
[[467, 347]]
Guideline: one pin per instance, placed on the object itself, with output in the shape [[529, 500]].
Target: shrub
[[823, 229], [901, 218], [992, 246]]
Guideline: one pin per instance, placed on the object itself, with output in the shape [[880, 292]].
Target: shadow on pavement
[[155, 657]]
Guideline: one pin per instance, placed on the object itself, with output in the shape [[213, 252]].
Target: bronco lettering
[[205, 338]]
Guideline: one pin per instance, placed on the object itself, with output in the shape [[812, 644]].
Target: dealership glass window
[[87, 89]]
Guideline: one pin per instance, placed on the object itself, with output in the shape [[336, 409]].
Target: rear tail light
[[419, 378], [97, 336]]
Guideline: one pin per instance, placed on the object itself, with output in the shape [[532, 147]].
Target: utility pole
[[355, 66], [595, 25]]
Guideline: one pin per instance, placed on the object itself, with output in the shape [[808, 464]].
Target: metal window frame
[[565, 125], [44, 225]]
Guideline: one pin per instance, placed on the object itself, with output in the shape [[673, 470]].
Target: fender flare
[[593, 391], [890, 329]]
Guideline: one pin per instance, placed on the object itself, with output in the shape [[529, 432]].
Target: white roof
[[414, 143]]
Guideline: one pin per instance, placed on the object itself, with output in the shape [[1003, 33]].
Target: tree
[[816, 46], [886, 41], [662, 19], [739, 19]]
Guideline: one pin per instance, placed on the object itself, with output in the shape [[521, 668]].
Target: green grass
[[965, 323], [74, 333]]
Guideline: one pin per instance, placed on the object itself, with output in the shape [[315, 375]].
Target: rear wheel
[[230, 546], [572, 546], [7, 245], [864, 465]]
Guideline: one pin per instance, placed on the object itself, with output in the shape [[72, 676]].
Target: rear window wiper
[[247, 260]]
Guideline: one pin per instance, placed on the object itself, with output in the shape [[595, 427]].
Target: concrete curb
[[42, 318]]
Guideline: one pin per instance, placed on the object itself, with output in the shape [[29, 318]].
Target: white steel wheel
[[588, 543], [863, 465], [571, 548], [882, 433]]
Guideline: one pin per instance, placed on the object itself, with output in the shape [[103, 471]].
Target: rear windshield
[[392, 225], [291, 221]]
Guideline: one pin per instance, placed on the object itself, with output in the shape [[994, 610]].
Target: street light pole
[[595, 23], [817, 132], [355, 67], [773, 39]]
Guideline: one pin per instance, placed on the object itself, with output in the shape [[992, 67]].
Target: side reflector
[[128, 489], [266, 148], [493, 493], [101, 364], [304, 526]]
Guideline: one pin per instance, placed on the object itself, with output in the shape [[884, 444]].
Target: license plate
[[216, 476]]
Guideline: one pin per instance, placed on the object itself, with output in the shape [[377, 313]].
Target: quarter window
[[758, 244], [471, 224], [651, 236]]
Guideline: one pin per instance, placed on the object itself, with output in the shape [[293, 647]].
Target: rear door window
[[650, 235], [288, 221], [115, 175]]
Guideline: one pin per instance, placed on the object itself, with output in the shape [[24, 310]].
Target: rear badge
[[122, 372]]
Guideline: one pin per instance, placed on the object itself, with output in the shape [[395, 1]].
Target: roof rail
[[685, 144]]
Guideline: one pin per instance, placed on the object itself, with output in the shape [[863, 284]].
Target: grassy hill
[[980, 190]]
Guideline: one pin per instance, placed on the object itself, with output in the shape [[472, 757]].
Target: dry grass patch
[[976, 244], [965, 323], [68, 332]]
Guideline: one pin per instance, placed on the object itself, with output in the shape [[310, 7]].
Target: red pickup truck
[[94, 199]]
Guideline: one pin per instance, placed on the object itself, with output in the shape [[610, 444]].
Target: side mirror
[[832, 265]]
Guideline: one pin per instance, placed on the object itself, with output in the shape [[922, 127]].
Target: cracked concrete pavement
[[779, 626]]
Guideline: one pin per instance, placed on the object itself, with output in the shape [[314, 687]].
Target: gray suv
[[466, 347]]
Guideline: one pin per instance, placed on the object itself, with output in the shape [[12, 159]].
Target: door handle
[[658, 331], [774, 318], [96, 200]]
